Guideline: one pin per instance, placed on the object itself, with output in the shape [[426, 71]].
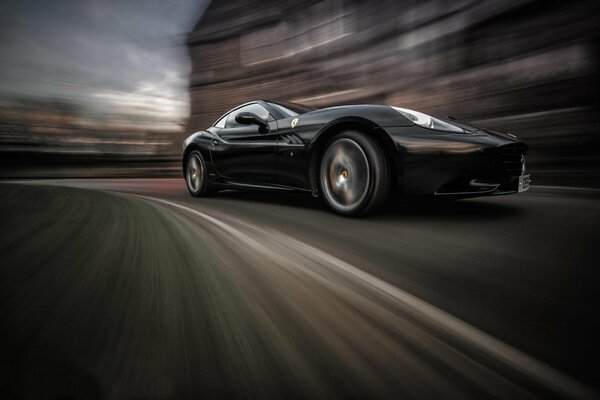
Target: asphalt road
[[136, 289]]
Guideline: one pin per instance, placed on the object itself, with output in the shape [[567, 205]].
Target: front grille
[[512, 159]]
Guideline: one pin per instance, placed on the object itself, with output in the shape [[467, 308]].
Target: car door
[[246, 153]]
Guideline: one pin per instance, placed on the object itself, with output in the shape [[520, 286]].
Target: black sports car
[[352, 156]]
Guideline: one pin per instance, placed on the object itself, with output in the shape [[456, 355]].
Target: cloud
[[120, 56]]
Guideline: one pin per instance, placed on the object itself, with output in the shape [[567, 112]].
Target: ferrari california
[[352, 156]]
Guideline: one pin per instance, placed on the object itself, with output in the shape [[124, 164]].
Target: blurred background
[[106, 294], [103, 88]]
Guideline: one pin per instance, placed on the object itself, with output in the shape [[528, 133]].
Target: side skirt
[[228, 184]]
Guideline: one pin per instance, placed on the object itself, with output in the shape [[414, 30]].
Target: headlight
[[427, 121]]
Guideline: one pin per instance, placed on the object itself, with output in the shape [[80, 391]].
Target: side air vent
[[290, 139]]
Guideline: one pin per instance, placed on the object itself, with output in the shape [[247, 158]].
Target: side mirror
[[249, 118]]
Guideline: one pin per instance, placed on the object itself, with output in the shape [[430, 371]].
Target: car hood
[[472, 128]]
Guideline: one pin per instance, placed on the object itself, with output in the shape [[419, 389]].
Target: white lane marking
[[567, 188], [500, 351]]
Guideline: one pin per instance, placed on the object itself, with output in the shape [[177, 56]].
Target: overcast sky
[[125, 56]]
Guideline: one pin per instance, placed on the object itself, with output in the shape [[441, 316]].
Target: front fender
[[200, 141]]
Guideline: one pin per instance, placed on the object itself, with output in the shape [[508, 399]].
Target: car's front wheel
[[195, 174], [354, 175]]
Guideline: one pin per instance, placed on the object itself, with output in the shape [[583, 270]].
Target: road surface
[[133, 288]]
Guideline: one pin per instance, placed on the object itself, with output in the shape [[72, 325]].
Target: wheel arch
[[363, 125], [191, 147], [197, 141]]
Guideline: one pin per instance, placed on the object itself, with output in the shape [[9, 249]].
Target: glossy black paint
[[246, 153], [285, 155]]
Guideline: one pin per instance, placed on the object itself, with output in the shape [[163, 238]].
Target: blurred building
[[527, 67], [46, 138]]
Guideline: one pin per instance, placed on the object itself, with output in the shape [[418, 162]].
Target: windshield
[[291, 109]]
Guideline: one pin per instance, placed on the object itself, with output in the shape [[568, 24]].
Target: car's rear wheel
[[195, 174], [354, 175]]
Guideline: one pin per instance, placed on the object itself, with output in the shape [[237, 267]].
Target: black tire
[[354, 176], [196, 175]]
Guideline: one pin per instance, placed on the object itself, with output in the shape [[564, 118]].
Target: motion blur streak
[[362, 290], [92, 88], [529, 67], [154, 294], [259, 295]]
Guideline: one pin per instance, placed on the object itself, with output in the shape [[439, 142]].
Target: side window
[[254, 108]]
